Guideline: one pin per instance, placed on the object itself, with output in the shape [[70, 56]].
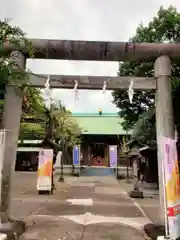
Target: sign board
[[45, 170], [113, 156], [76, 155], [172, 186], [58, 160]]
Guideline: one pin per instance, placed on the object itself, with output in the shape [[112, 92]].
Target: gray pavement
[[81, 208], [150, 206]]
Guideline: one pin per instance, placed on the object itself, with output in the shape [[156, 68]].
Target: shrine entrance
[[98, 154], [98, 162], [100, 134], [160, 53]]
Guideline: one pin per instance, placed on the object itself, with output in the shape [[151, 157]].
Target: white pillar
[[11, 122], [164, 117]]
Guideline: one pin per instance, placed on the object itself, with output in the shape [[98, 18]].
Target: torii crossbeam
[[92, 82], [96, 50]]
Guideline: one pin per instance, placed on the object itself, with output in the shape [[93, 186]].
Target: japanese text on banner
[[172, 185]]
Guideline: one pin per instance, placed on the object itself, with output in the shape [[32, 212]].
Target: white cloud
[[85, 20]]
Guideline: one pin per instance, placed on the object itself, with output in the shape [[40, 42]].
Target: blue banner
[[113, 156], [76, 155]]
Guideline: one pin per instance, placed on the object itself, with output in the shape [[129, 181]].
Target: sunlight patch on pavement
[[84, 202], [90, 219]]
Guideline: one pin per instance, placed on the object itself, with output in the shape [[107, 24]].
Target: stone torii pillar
[[11, 123], [164, 117]]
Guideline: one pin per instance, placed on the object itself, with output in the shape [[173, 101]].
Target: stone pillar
[[164, 116], [11, 123]]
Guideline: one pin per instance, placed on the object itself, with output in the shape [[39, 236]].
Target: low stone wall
[[67, 170]]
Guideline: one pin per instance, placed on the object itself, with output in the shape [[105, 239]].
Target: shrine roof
[[96, 124]]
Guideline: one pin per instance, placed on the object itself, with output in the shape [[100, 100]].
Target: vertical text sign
[[172, 186], [76, 155], [113, 155], [45, 166]]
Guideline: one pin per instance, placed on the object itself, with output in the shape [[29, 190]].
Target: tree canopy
[[165, 27], [64, 128], [9, 73], [36, 122]]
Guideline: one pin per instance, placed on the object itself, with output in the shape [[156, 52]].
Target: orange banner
[[45, 170]]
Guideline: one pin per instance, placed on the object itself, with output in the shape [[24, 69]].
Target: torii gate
[[160, 53]]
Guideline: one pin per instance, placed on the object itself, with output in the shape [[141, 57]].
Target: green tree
[[34, 115], [64, 128], [9, 71], [31, 131], [165, 27], [33, 106], [144, 130]]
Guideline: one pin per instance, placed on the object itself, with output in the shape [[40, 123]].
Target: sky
[[106, 20]]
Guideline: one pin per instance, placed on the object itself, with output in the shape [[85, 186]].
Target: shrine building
[[99, 131]]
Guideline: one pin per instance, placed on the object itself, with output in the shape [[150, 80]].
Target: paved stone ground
[[150, 206], [90, 208]]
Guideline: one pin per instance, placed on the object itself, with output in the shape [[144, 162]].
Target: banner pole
[[164, 194]]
